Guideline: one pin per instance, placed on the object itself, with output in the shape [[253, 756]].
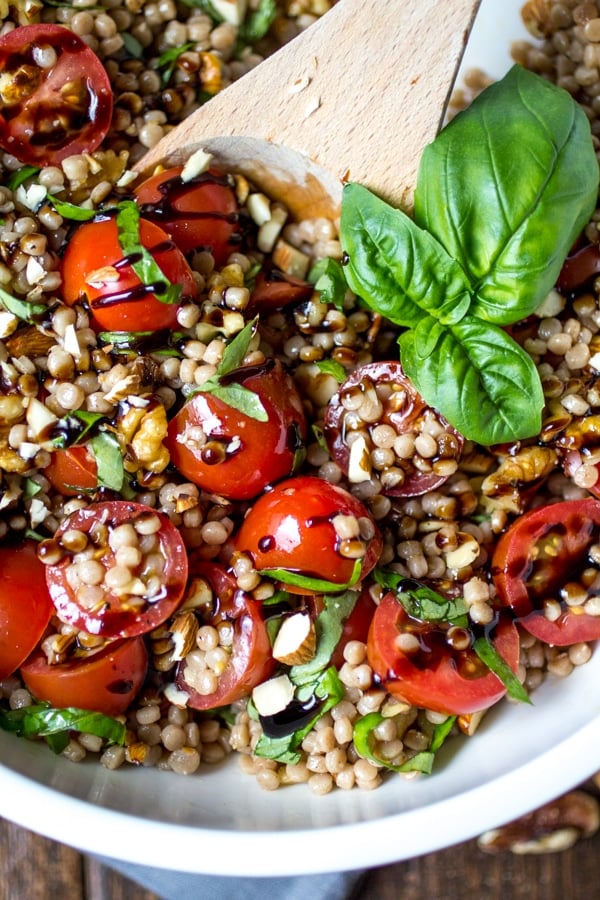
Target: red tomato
[[293, 527], [436, 676], [251, 661], [25, 604], [72, 470], [356, 627], [240, 455], [274, 290], [55, 95], [116, 611], [105, 682], [544, 555], [94, 269], [199, 214], [379, 394]]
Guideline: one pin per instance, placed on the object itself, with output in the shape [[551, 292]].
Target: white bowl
[[220, 821]]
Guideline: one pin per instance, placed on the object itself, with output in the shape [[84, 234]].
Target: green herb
[[230, 392], [81, 423], [20, 176], [109, 460], [20, 308], [421, 602], [168, 60], [501, 195], [363, 739], [42, 720], [132, 45], [329, 279], [488, 654], [317, 585], [142, 262], [333, 368], [257, 23], [31, 488], [328, 689], [71, 211], [329, 626]]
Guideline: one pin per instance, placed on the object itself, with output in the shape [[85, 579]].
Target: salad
[[315, 494]]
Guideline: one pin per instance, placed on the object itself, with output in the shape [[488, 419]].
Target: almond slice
[[296, 640], [273, 696]]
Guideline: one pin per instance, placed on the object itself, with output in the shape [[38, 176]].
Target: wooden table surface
[[35, 868]]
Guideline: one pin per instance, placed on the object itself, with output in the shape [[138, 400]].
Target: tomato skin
[[72, 470], [274, 290], [290, 527], [25, 604], [114, 619], [200, 214], [405, 417], [356, 627], [251, 661], [523, 585], [105, 682], [265, 451], [441, 686], [37, 124], [121, 302]]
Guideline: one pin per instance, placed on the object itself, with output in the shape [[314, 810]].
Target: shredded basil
[[167, 61], [422, 602], [20, 176], [42, 720], [420, 762], [333, 368], [488, 654], [142, 262], [329, 279], [230, 392], [71, 210], [22, 309], [318, 585], [109, 461], [133, 47], [501, 195], [257, 23]]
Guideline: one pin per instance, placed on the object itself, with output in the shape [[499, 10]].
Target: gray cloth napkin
[[183, 886]]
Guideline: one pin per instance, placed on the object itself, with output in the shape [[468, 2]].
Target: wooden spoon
[[357, 96]]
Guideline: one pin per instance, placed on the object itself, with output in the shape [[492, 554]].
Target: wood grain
[[355, 97], [35, 868]]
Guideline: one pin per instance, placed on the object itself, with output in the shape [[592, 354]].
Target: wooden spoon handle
[[358, 95]]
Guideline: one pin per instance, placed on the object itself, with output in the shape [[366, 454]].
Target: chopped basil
[[488, 654], [230, 392], [76, 427], [20, 176], [42, 720], [71, 210], [141, 260], [329, 279], [333, 368], [501, 195], [318, 585], [133, 47], [420, 762], [167, 61], [20, 308], [109, 460], [257, 23], [422, 602], [30, 488]]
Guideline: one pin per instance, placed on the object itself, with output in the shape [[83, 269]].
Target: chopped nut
[[29, 341], [184, 629], [273, 696], [296, 640], [553, 827]]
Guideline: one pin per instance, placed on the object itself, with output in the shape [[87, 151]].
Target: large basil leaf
[[400, 270], [483, 381], [506, 188]]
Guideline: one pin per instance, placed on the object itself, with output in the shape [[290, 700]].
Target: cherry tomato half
[[227, 452], [199, 214], [94, 269], [545, 555], [251, 661], [436, 676], [104, 588], [25, 604], [55, 95], [311, 528], [72, 470], [105, 682], [274, 289], [377, 426]]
